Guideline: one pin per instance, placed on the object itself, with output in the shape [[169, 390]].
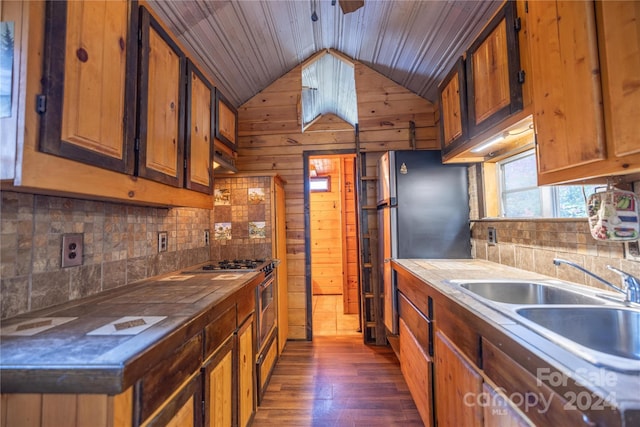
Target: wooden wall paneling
[[350, 238], [270, 139], [24, 410]]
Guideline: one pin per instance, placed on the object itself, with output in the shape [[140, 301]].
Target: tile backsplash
[[120, 241], [532, 245], [120, 247]]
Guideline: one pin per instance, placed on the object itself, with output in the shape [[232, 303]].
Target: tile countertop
[[622, 387], [99, 344]]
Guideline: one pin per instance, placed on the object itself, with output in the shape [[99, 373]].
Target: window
[[320, 183], [520, 196]]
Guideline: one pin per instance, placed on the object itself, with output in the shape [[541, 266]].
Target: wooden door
[[198, 143], [567, 93], [492, 66], [161, 115], [499, 411], [182, 409], [457, 384], [88, 106]]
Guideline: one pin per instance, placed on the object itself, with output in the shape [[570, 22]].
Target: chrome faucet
[[631, 283]]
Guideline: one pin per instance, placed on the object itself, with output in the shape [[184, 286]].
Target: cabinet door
[[567, 93], [619, 41], [492, 66], [199, 144], [161, 113], [453, 108], [88, 107], [226, 121], [457, 383], [416, 367], [219, 387], [184, 409], [246, 379]]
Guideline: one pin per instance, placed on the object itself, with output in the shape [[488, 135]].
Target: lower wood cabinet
[[246, 378], [182, 409], [457, 383], [219, 387], [416, 367]]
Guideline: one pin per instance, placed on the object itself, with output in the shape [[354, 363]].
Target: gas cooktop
[[246, 265]]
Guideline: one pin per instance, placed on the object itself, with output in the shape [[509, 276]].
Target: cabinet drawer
[[514, 379], [415, 290], [157, 385], [216, 332], [416, 367], [416, 323], [454, 322]]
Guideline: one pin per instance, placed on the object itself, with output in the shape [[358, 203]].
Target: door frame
[[306, 155]]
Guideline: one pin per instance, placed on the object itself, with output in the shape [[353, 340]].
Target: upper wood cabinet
[[88, 102], [493, 68], [485, 95], [453, 107], [199, 143], [161, 99], [585, 58], [226, 121]]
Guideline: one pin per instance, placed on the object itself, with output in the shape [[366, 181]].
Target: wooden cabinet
[[457, 383], [585, 55], [492, 65], [484, 101], [87, 103], [219, 389], [246, 379], [161, 99], [499, 411], [453, 108], [226, 121], [182, 409], [415, 362], [199, 142]]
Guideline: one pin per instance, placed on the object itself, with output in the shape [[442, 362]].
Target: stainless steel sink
[[527, 293], [614, 331]]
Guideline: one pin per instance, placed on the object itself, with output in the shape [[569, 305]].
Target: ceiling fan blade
[[349, 6]]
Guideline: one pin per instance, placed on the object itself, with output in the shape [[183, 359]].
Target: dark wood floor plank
[[337, 382]]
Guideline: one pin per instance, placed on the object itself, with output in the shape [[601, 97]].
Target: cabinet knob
[[82, 55]]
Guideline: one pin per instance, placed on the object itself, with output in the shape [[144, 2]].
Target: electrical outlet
[[632, 251], [163, 241], [492, 236], [207, 235], [72, 246]]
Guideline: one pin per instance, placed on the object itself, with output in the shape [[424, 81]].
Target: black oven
[[265, 309]]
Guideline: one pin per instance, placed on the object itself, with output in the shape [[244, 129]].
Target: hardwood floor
[[329, 318], [337, 381]]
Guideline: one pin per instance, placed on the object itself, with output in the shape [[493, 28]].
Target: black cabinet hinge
[[517, 25], [137, 146], [526, 7], [185, 163], [521, 74], [41, 104]]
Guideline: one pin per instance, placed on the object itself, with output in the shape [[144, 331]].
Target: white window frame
[[548, 194]]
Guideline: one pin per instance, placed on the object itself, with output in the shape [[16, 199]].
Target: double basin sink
[[592, 325]]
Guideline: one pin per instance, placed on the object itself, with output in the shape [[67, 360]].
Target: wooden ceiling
[[245, 45]]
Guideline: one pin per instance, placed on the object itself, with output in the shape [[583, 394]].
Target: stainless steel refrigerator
[[423, 212]]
